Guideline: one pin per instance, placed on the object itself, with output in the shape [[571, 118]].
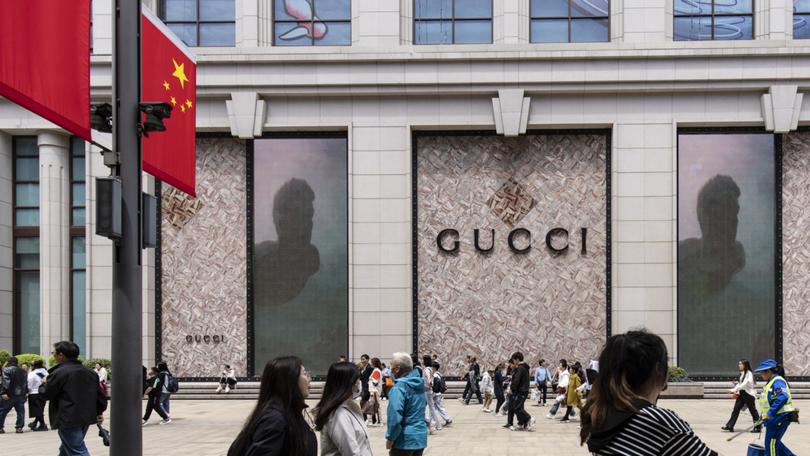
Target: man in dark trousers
[[13, 388], [76, 400], [519, 391], [474, 378], [365, 374]]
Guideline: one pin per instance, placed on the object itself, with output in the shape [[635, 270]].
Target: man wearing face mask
[[407, 431]]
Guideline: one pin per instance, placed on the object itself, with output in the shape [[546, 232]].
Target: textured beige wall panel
[[491, 305]]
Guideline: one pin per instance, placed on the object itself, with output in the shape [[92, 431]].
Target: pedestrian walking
[[497, 381], [36, 405], [488, 388], [573, 392], [153, 398], [365, 373], [439, 388], [431, 417], [507, 383], [13, 389], [169, 384], [227, 379], [620, 416], [466, 377], [74, 397], [560, 391], [338, 417], [519, 390], [776, 405], [406, 434], [542, 377], [744, 394], [373, 405], [276, 426], [474, 379], [388, 381]]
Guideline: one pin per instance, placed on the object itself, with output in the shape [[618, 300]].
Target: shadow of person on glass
[[282, 268], [707, 265]]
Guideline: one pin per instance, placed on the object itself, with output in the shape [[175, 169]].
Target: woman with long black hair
[[621, 417], [338, 417], [746, 395], [277, 427]]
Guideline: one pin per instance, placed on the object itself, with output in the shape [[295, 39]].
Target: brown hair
[[627, 365]]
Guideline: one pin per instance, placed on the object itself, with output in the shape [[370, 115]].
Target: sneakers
[[448, 422], [727, 429], [486, 410], [41, 428], [513, 428], [19, 430], [219, 389], [166, 421], [227, 389], [507, 426], [31, 425], [549, 416], [530, 424], [144, 423]]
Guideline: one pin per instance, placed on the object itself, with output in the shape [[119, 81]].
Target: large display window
[[300, 250], [727, 250]]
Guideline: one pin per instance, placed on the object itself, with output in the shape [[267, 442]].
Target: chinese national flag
[[168, 74], [45, 60]]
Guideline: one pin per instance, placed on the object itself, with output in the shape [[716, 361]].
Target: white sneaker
[[530, 424], [549, 416], [144, 423], [166, 421], [486, 410], [227, 389], [219, 389], [513, 428]]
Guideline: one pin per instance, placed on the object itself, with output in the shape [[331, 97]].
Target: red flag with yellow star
[[168, 74]]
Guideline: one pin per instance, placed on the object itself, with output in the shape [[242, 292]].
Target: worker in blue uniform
[[777, 408]]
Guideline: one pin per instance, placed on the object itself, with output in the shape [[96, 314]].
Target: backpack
[[172, 385], [439, 386]]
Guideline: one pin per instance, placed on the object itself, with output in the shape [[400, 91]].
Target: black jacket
[[520, 379], [498, 381], [14, 382], [269, 436], [74, 395], [364, 376]]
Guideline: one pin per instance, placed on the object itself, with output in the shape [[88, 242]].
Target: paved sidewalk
[[206, 428]]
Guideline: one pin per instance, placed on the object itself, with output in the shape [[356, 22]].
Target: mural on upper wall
[[796, 253], [300, 262], [726, 248], [547, 301], [203, 265]]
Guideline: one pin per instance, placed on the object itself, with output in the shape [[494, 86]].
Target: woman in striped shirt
[[620, 417]]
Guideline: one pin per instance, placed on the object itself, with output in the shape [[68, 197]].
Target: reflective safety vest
[[764, 402]]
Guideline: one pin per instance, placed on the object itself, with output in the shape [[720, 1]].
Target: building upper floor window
[[312, 22], [26, 181], [201, 22], [77, 183], [697, 20], [570, 21], [452, 21], [801, 19]]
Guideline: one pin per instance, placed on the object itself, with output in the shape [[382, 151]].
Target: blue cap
[[768, 364]]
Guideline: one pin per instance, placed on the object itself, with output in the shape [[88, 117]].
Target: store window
[[26, 244], [300, 250], [801, 19], [312, 23], [201, 22], [727, 236], [452, 21], [700, 20], [78, 323], [570, 21]]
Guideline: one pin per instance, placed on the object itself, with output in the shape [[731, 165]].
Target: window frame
[[196, 22], [800, 14], [20, 232], [274, 42], [453, 19], [714, 15], [76, 231], [570, 20]]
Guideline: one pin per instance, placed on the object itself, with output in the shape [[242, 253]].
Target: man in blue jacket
[[777, 408], [407, 431]]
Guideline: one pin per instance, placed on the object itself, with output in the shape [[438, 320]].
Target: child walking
[[488, 388]]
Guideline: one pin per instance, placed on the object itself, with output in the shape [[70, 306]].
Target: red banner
[[45, 60], [169, 74]]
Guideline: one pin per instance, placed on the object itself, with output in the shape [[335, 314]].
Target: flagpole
[[127, 335]]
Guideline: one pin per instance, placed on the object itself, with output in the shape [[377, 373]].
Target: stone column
[[6, 260], [54, 239]]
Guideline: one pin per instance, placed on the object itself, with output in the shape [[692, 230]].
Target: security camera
[[101, 117], [155, 113]]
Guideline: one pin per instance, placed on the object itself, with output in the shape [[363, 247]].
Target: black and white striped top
[[655, 431]]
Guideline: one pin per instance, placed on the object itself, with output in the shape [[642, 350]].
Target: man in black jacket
[[365, 374], [13, 388], [76, 401], [519, 392]]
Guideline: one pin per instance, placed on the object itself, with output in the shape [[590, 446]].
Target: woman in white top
[[102, 373], [374, 390], [745, 392], [36, 405], [338, 417]]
